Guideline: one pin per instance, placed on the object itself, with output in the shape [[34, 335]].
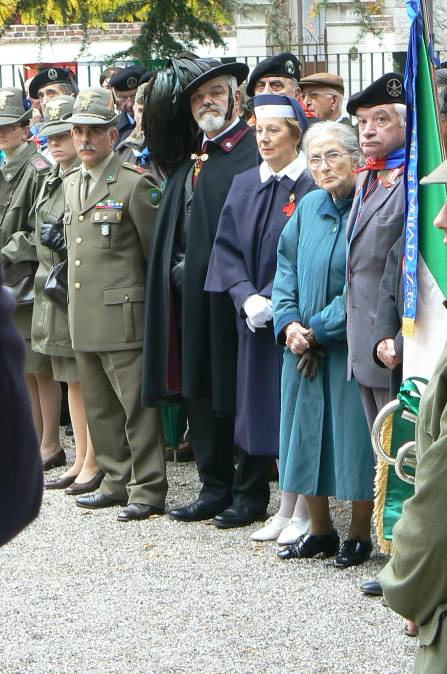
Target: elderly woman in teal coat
[[325, 448]]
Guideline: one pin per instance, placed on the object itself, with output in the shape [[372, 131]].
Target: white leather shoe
[[290, 534], [271, 529]]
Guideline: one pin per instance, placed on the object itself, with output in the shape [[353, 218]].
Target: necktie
[[85, 188]]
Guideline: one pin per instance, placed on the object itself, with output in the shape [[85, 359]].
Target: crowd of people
[[167, 244]]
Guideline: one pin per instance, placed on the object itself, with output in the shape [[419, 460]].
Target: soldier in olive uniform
[[415, 580], [49, 332], [110, 211], [21, 175]]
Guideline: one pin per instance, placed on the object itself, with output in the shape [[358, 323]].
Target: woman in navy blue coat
[[243, 263]]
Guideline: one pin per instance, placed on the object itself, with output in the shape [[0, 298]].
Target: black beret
[[127, 78], [387, 89], [53, 75], [146, 76], [283, 65]]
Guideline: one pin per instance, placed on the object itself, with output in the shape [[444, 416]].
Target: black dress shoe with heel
[[98, 500], [311, 545], [238, 516], [199, 510], [60, 482], [138, 511], [77, 488], [55, 460], [353, 552]]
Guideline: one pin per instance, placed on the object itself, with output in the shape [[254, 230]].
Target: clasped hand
[[387, 354]]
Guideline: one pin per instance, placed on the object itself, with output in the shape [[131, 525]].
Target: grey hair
[[401, 112], [345, 135], [232, 83]]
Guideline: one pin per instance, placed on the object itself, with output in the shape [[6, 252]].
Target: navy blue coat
[[20, 462], [243, 262]]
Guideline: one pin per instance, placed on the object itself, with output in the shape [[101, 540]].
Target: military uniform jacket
[[371, 232], [49, 330], [20, 183], [108, 242]]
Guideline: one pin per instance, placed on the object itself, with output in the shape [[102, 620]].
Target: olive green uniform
[[21, 179], [415, 580], [108, 242], [49, 331]]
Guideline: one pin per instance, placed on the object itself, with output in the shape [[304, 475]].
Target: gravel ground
[[84, 594]]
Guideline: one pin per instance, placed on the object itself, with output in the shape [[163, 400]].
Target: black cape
[[199, 362], [243, 262]]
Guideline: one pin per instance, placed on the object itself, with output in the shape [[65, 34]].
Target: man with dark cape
[[190, 346]]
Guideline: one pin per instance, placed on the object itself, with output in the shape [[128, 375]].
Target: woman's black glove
[[52, 236], [309, 362]]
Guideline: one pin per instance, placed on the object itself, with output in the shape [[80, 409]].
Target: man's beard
[[209, 122]]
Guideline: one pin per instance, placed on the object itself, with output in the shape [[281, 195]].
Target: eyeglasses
[[331, 159], [314, 95]]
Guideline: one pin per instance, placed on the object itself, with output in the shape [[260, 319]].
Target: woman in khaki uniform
[[50, 334], [21, 176]]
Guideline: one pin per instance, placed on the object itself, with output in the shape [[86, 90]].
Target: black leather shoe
[[237, 516], [197, 511], [352, 553], [372, 588], [310, 545], [68, 430], [98, 500], [55, 460], [77, 488], [138, 511], [60, 482]]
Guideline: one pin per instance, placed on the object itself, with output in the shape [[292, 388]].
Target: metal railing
[[357, 69]]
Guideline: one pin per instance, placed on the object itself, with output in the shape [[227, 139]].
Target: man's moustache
[[87, 146]]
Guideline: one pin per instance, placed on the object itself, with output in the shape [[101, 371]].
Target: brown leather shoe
[[60, 482], [54, 460], [77, 488]]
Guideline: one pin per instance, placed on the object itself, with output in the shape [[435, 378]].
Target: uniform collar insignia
[[228, 142]]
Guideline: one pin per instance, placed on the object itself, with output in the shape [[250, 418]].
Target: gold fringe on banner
[[408, 327], [380, 486]]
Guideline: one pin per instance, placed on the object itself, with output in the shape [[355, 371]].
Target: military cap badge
[[394, 87], [52, 74], [289, 67], [86, 98], [54, 109]]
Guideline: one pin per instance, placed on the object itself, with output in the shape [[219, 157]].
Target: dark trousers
[[212, 441]]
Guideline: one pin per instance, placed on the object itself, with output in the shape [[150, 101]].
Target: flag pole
[[427, 15]]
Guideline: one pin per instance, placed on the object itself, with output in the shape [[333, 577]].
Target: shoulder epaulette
[[133, 167], [72, 170], [40, 163]]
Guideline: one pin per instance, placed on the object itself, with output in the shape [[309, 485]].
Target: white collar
[[222, 133], [292, 170]]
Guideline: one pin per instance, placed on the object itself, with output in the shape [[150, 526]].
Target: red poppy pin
[[289, 208]]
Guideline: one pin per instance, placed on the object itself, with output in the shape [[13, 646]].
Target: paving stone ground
[[84, 594]]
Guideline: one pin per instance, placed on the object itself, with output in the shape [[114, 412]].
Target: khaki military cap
[[12, 110], [55, 110], [93, 106], [323, 80], [438, 175]]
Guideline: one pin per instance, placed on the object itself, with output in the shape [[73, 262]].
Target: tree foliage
[[167, 26]]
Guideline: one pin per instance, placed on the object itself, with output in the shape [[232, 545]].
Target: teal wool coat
[[325, 447]]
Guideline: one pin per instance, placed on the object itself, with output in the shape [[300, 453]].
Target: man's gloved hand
[[258, 310], [52, 236], [309, 363]]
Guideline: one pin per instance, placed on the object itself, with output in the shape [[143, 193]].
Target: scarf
[[395, 159]]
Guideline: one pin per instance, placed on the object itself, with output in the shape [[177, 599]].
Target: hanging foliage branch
[[367, 13], [167, 26]]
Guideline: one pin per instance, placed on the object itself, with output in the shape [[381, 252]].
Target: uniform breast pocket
[[104, 221]]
